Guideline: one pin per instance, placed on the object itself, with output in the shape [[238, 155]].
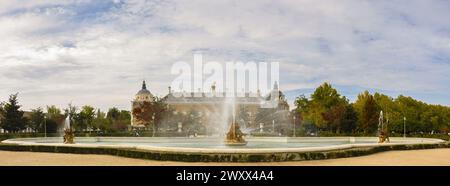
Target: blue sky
[[97, 52]]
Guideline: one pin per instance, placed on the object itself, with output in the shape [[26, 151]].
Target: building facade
[[202, 111]]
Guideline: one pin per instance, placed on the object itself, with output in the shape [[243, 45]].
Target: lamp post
[[404, 127], [45, 126], [273, 126], [294, 127], [153, 118]]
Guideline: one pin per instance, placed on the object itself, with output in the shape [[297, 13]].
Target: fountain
[[68, 132], [383, 132], [234, 136], [231, 147]]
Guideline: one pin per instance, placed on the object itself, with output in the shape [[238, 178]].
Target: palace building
[[209, 109]]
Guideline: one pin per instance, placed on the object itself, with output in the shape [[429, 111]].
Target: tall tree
[[326, 109], [37, 119], [53, 112], [367, 110], [87, 115], [71, 111], [113, 114], [55, 118], [159, 107], [118, 119], [100, 121], [302, 105], [2, 112], [13, 120], [334, 117], [349, 122]]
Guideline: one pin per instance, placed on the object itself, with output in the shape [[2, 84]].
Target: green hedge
[[5, 136], [212, 157], [438, 136]]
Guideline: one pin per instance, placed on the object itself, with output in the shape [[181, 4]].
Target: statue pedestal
[[232, 143]]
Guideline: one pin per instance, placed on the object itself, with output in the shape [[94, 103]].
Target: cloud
[[97, 52]]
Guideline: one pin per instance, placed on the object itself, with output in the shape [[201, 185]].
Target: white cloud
[[95, 52]]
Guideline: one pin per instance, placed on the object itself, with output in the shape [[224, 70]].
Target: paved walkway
[[411, 157]]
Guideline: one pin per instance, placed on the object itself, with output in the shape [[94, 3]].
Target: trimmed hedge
[[212, 157]]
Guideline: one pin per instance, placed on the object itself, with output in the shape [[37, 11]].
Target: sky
[[98, 52]]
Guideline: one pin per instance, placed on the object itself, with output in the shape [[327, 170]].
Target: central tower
[[141, 113]]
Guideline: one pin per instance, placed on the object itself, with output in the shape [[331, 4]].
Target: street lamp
[[294, 127], [273, 126], [45, 126], [404, 127], [153, 118]]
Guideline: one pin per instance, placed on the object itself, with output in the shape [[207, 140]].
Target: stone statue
[[68, 136], [235, 136]]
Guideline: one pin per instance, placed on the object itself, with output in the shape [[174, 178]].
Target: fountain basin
[[210, 145], [235, 143]]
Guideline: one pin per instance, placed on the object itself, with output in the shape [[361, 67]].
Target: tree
[[412, 110], [326, 109], [51, 125], [53, 112], [13, 120], [86, 117], [349, 122], [37, 119], [193, 121], [150, 113], [367, 110], [143, 113], [117, 119], [302, 104], [124, 120], [125, 115], [71, 111], [113, 114], [54, 118], [159, 107], [100, 121], [2, 112], [243, 117], [334, 117]]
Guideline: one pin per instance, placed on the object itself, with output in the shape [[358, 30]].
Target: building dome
[[144, 94]]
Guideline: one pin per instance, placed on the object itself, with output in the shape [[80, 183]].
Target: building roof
[[144, 90], [174, 98], [216, 97]]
